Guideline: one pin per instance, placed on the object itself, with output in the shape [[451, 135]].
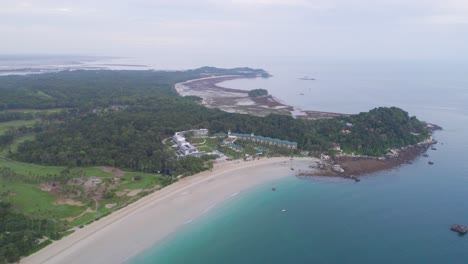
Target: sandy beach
[[129, 231]]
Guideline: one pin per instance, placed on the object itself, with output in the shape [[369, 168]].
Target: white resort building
[[184, 148]]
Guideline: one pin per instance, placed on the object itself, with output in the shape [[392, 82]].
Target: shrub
[[138, 178]]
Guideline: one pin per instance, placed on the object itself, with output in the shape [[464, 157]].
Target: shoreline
[[237, 100], [354, 167], [135, 228]]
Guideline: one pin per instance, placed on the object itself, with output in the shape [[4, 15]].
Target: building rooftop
[[268, 139]]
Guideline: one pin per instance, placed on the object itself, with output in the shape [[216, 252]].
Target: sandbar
[[237, 100]]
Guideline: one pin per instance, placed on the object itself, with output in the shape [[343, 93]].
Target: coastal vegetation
[[258, 92], [76, 145]]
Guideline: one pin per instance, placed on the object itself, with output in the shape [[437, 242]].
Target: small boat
[[459, 229], [433, 148], [425, 155], [273, 189], [301, 94], [306, 78], [284, 210], [430, 163]]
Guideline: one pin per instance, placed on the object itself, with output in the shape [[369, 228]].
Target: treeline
[[131, 138], [9, 136], [6, 116], [69, 89], [7, 175]]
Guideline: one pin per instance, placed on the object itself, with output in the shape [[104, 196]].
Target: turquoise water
[[398, 216]]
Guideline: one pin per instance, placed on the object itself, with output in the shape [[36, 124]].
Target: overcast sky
[[321, 28]]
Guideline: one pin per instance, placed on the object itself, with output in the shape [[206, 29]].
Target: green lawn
[[196, 141], [206, 144], [28, 168], [205, 149], [53, 110], [30, 199], [4, 126], [147, 181]]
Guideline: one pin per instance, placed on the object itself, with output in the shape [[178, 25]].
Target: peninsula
[[239, 101]]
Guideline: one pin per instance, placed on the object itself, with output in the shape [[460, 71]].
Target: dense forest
[[84, 88], [19, 233], [131, 138]]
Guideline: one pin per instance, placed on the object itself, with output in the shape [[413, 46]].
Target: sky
[[420, 29]]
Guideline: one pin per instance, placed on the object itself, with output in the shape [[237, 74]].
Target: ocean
[[397, 216]]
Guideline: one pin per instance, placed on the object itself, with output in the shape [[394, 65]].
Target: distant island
[[76, 146]]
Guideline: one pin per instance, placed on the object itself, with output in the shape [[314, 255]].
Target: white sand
[[129, 231]]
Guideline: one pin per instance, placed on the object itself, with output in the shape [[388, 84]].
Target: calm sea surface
[[399, 216]]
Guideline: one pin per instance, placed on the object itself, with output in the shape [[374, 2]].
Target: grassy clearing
[[54, 110], [4, 126], [30, 199], [28, 168], [213, 142], [85, 219], [206, 144], [205, 149], [147, 181], [197, 141]]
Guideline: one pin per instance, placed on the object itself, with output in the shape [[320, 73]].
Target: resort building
[[337, 147], [232, 137], [184, 148], [187, 149], [265, 140], [200, 133]]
